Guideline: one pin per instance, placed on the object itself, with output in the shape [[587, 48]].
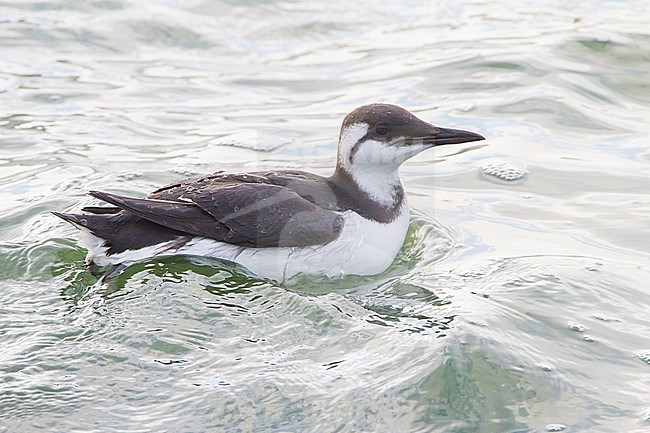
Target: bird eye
[[381, 129]]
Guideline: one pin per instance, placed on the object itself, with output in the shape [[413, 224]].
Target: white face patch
[[376, 153], [349, 137], [374, 165]]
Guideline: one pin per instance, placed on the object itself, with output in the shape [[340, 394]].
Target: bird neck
[[376, 191]]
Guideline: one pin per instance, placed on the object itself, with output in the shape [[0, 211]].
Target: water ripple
[[522, 279]]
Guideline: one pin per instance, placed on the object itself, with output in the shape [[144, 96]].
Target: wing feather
[[246, 214]]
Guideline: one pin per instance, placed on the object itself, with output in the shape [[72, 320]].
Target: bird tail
[[98, 225], [76, 220]]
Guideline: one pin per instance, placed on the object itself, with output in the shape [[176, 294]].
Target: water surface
[[519, 303]]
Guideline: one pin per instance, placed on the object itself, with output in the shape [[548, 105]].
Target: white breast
[[364, 247]]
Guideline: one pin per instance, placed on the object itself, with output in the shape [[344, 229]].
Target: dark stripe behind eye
[[355, 148]]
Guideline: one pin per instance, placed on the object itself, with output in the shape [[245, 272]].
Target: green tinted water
[[518, 305]]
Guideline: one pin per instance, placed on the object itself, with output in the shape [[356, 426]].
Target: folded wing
[[246, 214]]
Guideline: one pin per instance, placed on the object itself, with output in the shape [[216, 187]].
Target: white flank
[[95, 246], [364, 247]]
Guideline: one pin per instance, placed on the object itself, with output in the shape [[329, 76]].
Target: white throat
[[373, 166], [380, 183]]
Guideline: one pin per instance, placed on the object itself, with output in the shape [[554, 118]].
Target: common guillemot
[[279, 224]]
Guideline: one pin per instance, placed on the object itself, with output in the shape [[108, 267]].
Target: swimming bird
[[279, 224]]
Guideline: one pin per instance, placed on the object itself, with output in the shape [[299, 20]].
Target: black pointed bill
[[450, 136]]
